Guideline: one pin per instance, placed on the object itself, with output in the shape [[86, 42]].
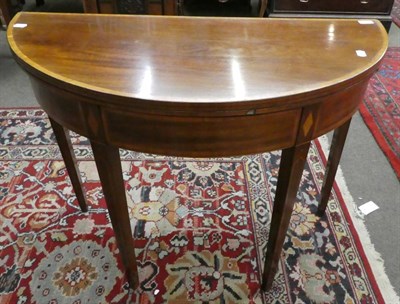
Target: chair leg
[[263, 8], [290, 172], [91, 6], [335, 153], [179, 10], [67, 152]]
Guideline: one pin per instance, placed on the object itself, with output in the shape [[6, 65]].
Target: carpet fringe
[[374, 257]]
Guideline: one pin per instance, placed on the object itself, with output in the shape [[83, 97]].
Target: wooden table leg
[[338, 140], [67, 152], [109, 167], [290, 172]]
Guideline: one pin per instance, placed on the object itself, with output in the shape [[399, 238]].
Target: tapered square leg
[[335, 153], [290, 172], [109, 167], [67, 152]]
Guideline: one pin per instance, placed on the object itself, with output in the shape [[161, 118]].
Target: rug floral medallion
[[200, 228]]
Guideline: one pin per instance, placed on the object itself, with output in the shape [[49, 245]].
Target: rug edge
[[378, 266], [396, 21], [380, 139]]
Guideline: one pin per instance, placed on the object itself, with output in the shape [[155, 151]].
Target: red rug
[[201, 228], [396, 12], [381, 107]]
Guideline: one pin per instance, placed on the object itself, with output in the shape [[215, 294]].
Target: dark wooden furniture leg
[[6, 10], [263, 7], [109, 167], [290, 172], [67, 152], [91, 6], [338, 140]]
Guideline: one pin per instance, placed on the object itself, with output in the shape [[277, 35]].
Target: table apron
[[197, 136]]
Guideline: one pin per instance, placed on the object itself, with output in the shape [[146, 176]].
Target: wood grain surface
[[160, 58]]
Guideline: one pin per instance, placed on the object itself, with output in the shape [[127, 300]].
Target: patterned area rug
[[396, 12], [201, 228], [381, 107]]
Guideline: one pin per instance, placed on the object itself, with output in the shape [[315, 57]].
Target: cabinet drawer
[[329, 6]]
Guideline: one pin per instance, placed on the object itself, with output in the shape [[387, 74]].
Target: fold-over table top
[[197, 59]]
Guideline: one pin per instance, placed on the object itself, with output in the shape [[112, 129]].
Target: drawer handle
[[304, 1], [364, 1]]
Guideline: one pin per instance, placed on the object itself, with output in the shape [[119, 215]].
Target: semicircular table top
[[198, 87], [143, 57]]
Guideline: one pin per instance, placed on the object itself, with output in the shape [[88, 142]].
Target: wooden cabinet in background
[[376, 9], [152, 7]]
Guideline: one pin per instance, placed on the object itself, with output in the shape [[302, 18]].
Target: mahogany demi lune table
[[197, 87]]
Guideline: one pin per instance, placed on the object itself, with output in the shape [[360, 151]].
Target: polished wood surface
[[142, 57], [199, 87]]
